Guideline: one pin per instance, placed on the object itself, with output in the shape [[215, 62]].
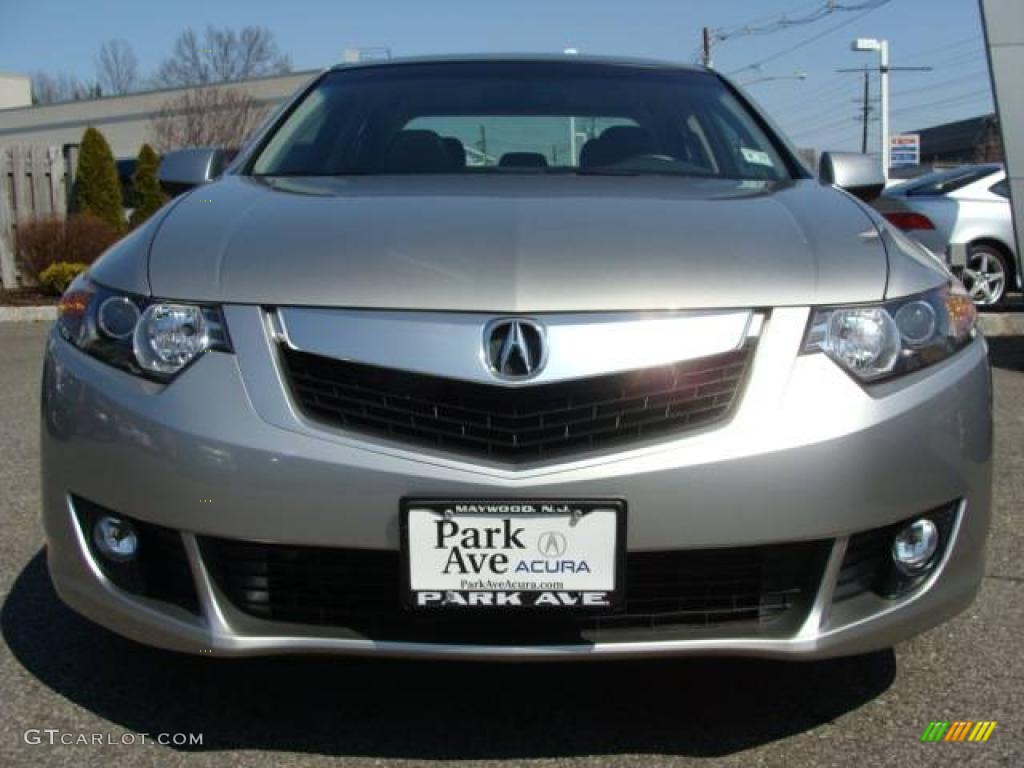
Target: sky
[[820, 111]]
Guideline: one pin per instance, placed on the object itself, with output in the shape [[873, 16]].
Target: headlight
[[874, 342], [141, 335]]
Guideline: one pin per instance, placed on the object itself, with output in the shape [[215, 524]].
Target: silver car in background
[[518, 358], [967, 206]]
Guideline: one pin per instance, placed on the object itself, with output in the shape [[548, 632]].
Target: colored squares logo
[[959, 730]]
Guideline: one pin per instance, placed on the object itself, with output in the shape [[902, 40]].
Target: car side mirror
[[183, 169], [860, 175]]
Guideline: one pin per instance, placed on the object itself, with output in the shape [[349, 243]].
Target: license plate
[[510, 554]]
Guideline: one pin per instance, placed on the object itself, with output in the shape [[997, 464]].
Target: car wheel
[[986, 274]]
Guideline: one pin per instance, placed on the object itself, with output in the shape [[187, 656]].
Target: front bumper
[[809, 455]]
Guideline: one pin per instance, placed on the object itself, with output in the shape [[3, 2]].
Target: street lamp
[[882, 47]]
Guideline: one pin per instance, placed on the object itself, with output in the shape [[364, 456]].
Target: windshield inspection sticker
[[756, 157]]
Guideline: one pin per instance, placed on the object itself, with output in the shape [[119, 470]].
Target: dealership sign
[[505, 554], [905, 149]]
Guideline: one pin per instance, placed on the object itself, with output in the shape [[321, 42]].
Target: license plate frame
[[561, 510]]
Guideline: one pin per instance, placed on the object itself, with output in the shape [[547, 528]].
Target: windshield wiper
[[592, 171]]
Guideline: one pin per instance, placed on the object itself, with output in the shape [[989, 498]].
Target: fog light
[[115, 538], [914, 546]]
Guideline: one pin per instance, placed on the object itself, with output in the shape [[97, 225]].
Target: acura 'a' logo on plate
[[552, 544], [514, 348]]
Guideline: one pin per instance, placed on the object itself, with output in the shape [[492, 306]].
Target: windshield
[[520, 117]]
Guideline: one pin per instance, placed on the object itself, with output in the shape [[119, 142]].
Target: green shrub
[[97, 188], [148, 195], [56, 278], [79, 239]]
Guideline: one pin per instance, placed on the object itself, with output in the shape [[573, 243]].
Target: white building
[[123, 120], [15, 90]]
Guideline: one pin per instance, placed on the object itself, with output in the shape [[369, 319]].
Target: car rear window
[[521, 117], [1001, 188], [944, 182]]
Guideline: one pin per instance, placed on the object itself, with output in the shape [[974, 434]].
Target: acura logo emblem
[[514, 348]]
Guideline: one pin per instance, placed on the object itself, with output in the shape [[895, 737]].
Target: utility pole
[[865, 113], [706, 48], [866, 109]]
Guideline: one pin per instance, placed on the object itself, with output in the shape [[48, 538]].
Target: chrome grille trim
[[451, 345]]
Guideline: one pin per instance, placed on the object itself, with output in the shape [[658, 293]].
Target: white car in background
[[967, 206]]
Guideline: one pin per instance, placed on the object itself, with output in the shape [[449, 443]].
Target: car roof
[[515, 58]]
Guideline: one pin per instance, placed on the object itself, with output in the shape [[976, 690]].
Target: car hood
[[517, 243]]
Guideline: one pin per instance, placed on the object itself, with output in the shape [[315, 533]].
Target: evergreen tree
[[148, 195], [97, 188]]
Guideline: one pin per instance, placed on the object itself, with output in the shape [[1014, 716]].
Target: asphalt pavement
[[58, 671]]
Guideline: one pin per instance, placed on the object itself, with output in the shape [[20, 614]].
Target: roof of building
[[954, 137], [171, 89]]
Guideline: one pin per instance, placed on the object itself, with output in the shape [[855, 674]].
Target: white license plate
[[513, 554]]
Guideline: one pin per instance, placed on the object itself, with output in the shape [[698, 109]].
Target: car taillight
[[907, 220]]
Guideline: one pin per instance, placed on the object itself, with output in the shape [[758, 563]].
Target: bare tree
[[206, 117], [223, 55], [44, 88], [117, 69], [52, 89]]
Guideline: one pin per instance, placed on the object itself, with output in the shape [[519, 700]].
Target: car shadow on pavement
[[429, 710], [1007, 352]]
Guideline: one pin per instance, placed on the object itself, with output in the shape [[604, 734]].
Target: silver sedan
[[518, 358], [967, 206]]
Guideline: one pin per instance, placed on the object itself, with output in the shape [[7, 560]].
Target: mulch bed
[[26, 297]]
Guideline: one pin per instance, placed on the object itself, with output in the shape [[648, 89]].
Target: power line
[[920, 108], [765, 25], [830, 120], [838, 92], [772, 16], [819, 108], [841, 136], [824, 127], [711, 35], [825, 106], [826, 102], [946, 47], [973, 76], [831, 97], [807, 41], [776, 23], [825, 95], [812, 97], [958, 61], [962, 98]]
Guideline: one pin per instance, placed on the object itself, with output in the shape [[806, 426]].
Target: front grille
[[517, 424], [760, 589]]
